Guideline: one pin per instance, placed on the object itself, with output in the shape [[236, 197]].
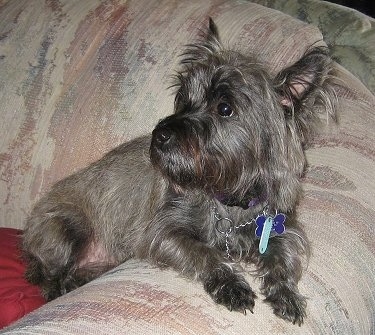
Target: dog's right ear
[[208, 45]]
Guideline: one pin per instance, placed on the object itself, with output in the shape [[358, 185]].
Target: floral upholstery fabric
[[79, 77]]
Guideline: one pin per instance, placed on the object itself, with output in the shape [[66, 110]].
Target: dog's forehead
[[205, 79], [222, 76]]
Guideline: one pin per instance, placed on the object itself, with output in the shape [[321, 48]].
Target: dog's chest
[[230, 229]]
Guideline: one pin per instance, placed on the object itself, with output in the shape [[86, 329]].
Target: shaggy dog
[[215, 183]]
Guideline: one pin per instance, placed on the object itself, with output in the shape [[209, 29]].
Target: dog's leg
[[280, 269], [53, 243], [194, 259], [227, 287], [182, 246]]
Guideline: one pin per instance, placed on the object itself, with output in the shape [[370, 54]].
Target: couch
[[78, 78]]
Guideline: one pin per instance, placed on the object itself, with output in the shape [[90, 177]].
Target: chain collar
[[267, 225]]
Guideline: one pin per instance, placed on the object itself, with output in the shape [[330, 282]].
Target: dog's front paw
[[231, 290], [235, 295], [288, 305]]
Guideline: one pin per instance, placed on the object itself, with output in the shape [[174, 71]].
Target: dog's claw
[[251, 310]]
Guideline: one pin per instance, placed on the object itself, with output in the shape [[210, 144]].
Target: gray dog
[[215, 183]]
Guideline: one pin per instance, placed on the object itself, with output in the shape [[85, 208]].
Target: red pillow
[[17, 296]]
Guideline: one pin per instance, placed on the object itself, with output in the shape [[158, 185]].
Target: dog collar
[[246, 203], [267, 226]]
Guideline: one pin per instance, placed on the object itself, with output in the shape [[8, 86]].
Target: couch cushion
[[349, 33], [90, 74]]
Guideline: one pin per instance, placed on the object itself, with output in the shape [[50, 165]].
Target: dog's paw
[[236, 296], [288, 305], [231, 290]]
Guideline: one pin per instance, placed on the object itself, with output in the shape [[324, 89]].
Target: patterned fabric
[[79, 77], [349, 34]]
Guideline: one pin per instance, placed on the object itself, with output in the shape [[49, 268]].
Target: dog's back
[[89, 221]]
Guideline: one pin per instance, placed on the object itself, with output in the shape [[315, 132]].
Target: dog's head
[[236, 130]]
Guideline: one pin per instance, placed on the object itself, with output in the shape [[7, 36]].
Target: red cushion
[[17, 296]]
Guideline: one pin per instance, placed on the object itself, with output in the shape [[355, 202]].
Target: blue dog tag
[[268, 226], [265, 236]]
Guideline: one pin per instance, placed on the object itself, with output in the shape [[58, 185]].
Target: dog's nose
[[162, 136]]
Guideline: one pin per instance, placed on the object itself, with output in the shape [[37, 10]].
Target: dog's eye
[[224, 109]]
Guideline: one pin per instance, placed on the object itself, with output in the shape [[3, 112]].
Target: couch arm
[[136, 298], [79, 77]]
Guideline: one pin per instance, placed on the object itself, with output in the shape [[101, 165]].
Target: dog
[[214, 186]]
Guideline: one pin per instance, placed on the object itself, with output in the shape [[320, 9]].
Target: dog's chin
[[184, 172], [183, 182], [180, 179]]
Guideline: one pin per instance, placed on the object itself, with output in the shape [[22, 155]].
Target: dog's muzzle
[[170, 131]]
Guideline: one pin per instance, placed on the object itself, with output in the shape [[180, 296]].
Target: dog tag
[[266, 232]]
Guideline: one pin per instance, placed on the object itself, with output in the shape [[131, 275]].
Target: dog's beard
[[180, 164], [202, 158], [175, 152]]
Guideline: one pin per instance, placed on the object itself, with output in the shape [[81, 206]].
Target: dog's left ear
[[212, 38], [208, 45], [303, 84]]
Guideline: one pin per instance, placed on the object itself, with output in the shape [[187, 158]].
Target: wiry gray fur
[[237, 133]]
